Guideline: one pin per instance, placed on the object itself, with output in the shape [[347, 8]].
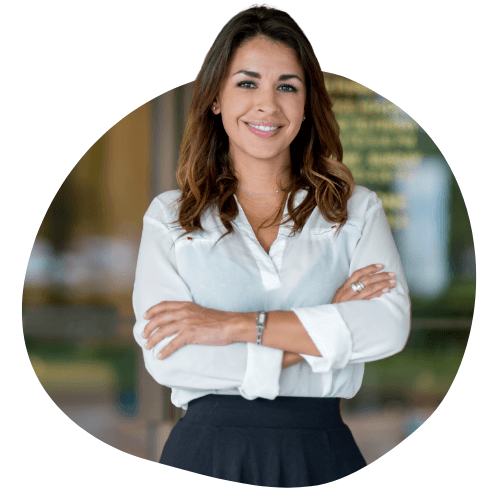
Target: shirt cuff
[[330, 335], [262, 373]]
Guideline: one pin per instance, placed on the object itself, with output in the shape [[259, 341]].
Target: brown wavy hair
[[204, 171]]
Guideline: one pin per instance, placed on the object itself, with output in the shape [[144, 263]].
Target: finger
[[160, 334], [152, 311], [379, 293], [375, 288], [369, 279], [375, 278], [166, 313], [174, 345], [166, 305], [373, 268], [158, 321]]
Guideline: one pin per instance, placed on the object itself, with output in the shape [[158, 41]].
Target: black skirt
[[285, 442]]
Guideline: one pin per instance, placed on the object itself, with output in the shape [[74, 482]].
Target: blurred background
[[77, 302]]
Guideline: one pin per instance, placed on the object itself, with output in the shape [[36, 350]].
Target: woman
[[268, 280]]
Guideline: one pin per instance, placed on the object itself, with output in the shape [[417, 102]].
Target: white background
[[71, 70]]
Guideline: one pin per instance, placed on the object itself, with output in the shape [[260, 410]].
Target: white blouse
[[301, 273]]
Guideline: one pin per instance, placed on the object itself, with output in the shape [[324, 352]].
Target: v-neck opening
[[244, 219], [269, 264]]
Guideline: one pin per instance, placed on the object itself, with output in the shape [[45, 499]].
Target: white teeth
[[266, 129]]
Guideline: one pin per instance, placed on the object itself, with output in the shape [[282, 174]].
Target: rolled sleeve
[[335, 349], [262, 372], [359, 331]]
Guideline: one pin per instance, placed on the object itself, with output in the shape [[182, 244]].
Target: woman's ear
[[216, 107]]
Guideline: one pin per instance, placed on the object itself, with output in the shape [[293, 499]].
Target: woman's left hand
[[193, 324]]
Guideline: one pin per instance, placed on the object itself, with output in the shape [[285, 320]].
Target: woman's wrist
[[283, 331], [244, 326]]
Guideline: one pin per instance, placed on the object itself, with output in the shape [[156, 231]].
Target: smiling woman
[[254, 99], [266, 282]]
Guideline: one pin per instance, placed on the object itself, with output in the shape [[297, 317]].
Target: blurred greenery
[[403, 370], [120, 357], [51, 351], [414, 377], [78, 378], [456, 302]]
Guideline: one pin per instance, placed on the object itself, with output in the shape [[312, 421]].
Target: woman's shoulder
[[164, 207], [359, 206], [361, 201]]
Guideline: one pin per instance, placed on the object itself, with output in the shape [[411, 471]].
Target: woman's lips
[[262, 133]]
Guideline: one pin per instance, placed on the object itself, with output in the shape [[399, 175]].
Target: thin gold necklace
[[251, 192]]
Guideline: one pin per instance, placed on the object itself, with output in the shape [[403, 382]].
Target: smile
[[261, 127], [262, 130]]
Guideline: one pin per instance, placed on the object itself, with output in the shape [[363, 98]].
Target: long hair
[[205, 173]]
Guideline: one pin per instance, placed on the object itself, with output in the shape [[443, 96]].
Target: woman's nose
[[267, 101]]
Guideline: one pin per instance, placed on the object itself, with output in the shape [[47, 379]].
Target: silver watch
[[261, 322]]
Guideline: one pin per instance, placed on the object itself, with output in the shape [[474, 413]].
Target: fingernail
[[385, 290], [392, 274], [158, 355], [144, 315], [379, 265], [392, 281], [146, 346]]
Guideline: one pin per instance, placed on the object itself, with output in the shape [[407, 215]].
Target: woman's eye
[[288, 88], [245, 84]]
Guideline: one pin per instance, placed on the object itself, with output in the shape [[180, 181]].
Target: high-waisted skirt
[[285, 442]]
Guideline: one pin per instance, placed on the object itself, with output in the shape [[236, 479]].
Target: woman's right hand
[[375, 284]]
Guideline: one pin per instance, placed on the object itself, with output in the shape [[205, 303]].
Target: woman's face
[[264, 88]]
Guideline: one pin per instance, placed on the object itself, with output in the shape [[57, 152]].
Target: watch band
[[261, 322]]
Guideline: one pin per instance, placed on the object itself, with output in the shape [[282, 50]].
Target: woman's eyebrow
[[288, 77], [253, 74]]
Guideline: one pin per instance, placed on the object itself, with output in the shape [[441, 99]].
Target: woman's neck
[[262, 176]]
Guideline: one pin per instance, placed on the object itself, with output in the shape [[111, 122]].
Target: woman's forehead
[[263, 54]]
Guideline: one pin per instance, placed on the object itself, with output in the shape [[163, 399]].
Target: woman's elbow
[[400, 341], [399, 309], [161, 371], [398, 333]]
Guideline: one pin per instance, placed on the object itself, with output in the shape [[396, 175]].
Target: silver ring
[[358, 286]]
